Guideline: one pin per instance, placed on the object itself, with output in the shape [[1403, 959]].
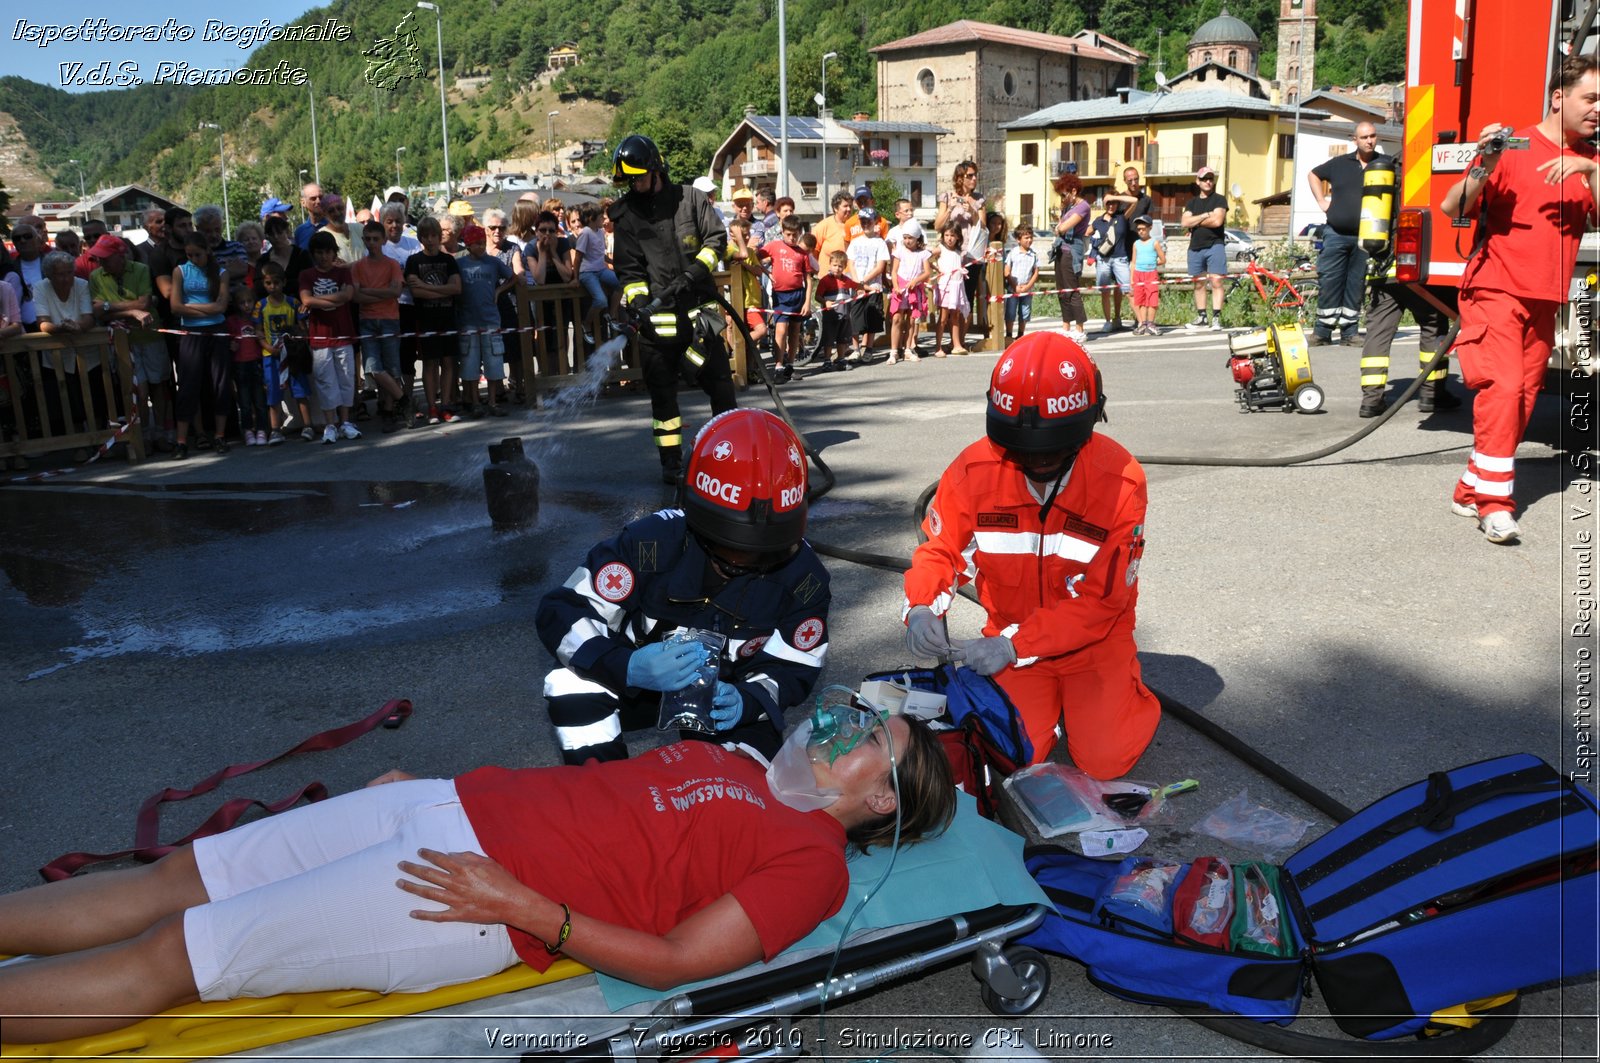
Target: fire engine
[[1470, 63]]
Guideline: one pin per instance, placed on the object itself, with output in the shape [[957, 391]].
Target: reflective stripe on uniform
[[707, 257], [1424, 357], [666, 325], [1374, 370], [582, 582], [668, 433], [1489, 463], [777, 647], [580, 632], [1055, 544], [766, 683], [693, 356], [1496, 488], [563, 682], [633, 288], [1011, 633], [590, 734]]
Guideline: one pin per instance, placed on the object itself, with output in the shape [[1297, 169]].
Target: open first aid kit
[[980, 730], [1472, 883]]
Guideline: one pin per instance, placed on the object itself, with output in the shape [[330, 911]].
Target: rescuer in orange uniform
[[1047, 518]]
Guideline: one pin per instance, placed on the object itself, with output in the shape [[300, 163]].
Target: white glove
[[925, 636]]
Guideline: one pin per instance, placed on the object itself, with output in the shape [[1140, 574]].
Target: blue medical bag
[[1472, 883]]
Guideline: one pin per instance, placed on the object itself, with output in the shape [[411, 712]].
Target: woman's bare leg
[[100, 989], [98, 908]]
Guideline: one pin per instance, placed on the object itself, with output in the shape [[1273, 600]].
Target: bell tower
[[1297, 36]]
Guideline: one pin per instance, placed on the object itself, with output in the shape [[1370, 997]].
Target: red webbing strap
[[147, 828]]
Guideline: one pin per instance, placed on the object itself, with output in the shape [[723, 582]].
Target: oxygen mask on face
[[838, 727], [835, 727]]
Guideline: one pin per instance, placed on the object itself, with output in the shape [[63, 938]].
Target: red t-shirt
[[380, 272], [328, 328], [790, 265], [243, 331], [647, 842], [830, 289], [1534, 227]]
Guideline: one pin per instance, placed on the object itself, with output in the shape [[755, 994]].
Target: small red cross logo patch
[[614, 581], [808, 634]]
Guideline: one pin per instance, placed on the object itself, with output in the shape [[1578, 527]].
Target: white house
[[826, 155]]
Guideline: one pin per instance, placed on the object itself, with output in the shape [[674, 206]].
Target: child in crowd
[[378, 283], [951, 288], [249, 381], [1022, 273], [792, 269], [743, 249], [596, 277], [913, 266], [834, 293], [275, 318], [434, 281], [869, 265], [483, 277], [1148, 258], [326, 290]]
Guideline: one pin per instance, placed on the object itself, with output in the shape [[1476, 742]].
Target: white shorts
[[306, 900]]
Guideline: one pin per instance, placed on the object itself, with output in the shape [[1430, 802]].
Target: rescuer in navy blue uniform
[[732, 560], [667, 241]]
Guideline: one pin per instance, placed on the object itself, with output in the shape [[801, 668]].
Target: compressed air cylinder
[[1377, 203]]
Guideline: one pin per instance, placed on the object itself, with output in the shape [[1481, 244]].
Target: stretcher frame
[[303, 1025]]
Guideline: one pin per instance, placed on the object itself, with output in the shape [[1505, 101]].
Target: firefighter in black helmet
[[668, 240]]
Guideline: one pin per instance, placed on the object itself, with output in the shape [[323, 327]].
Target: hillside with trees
[[680, 70]]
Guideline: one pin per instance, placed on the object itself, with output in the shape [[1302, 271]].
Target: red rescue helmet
[[1045, 395], [746, 483]]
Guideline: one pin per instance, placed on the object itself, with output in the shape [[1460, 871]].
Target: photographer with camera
[[1517, 276]]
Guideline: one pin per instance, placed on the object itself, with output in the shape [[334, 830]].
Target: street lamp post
[[1294, 163], [444, 126], [822, 108], [316, 156], [550, 137], [81, 193], [783, 101], [397, 151], [222, 156]]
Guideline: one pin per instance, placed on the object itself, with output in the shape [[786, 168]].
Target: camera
[[1503, 140]]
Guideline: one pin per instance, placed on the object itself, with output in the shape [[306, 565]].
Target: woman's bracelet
[[566, 930]]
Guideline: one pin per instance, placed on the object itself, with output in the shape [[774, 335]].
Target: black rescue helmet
[[636, 156]]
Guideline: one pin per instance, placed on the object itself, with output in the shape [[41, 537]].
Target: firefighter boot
[[1433, 395], [671, 465], [1372, 401]]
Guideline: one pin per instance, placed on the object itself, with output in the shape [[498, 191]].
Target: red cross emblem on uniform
[[614, 581], [808, 634], [1068, 370]]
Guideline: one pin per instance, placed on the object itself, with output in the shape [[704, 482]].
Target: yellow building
[[1167, 135]]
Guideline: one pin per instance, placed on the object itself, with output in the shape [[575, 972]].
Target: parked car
[[1239, 246]]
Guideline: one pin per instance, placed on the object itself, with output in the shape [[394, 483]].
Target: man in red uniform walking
[[1046, 517], [1517, 277]]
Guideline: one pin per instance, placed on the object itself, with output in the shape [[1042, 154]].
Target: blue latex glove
[[986, 656], [925, 636], [727, 706], [662, 666]]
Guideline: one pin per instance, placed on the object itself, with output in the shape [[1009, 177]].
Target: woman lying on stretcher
[[687, 862]]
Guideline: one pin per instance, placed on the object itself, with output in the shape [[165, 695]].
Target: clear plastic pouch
[[689, 709], [1147, 884], [1061, 799]]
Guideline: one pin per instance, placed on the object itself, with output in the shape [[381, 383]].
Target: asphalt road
[[164, 620]]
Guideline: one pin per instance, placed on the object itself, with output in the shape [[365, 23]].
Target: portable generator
[[1272, 367]]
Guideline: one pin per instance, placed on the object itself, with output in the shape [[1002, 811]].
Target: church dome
[[1224, 29]]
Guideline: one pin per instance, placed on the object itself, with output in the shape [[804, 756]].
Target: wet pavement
[[237, 568]]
